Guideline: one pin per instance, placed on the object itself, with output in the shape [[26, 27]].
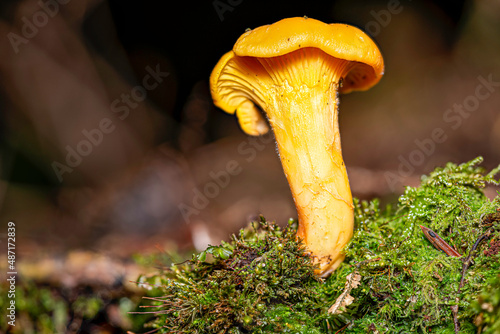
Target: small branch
[[340, 330], [465, 266], [468, 260], [150, 332]]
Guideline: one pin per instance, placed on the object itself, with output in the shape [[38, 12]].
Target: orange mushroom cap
[[338, 40]]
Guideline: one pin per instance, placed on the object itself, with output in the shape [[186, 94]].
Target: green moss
[[262, 282], [487, 305], [413, 284], [50, 308], [38, 310]]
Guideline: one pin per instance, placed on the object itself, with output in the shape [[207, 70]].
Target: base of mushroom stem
[[326, 265]]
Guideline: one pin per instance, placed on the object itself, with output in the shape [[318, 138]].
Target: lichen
[[263, 282]]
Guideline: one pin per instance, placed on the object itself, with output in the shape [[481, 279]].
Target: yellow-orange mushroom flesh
[[298, 90]]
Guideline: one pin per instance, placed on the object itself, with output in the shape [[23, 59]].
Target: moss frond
[[263, 282]]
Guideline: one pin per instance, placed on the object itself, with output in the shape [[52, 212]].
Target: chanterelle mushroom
[[293, 70]]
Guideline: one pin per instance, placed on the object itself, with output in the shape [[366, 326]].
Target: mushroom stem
[[292, 71], [311, 156]]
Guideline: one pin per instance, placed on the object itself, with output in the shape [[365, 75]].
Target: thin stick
[[340, 330], [469, 258], [465, 266]]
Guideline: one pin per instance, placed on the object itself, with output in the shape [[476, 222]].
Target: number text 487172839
[[11, 272]]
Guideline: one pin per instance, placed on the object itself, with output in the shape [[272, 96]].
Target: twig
[[359, 264], [340, 330], [468, 260], [150, 332], [465, 266]]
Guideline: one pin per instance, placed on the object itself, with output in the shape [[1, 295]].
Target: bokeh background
[[81, 67]]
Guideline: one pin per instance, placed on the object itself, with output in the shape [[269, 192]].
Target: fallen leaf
[[353, 280]]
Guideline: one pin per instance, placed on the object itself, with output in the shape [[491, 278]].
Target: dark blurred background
[[91, 159]]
